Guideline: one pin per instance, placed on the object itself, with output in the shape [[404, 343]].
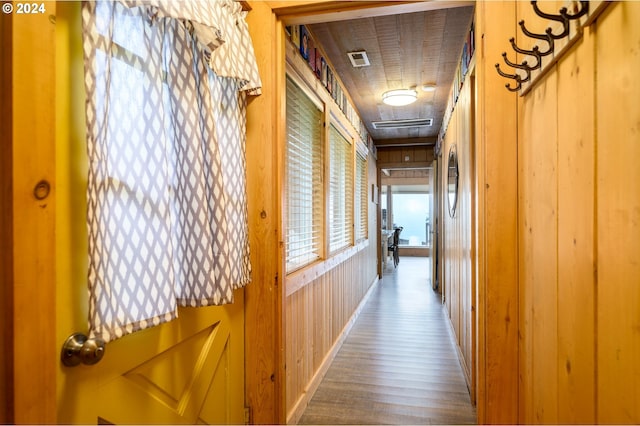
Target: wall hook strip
[[546, 37], [523, 66], [583, 15], [515, 77], [558, 18]]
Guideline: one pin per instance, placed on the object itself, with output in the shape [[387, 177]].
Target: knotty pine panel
[[576, 233], [264, 363], [618, 214], [538, 207], [33, 87]]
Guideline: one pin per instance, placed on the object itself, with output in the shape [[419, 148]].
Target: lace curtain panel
[[166, 128]]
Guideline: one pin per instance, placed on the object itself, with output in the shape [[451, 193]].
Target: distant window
[[410, 208], [340, 191], [362, 197]]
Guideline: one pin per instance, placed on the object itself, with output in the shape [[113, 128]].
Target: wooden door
[[188, 371], [433, 215]]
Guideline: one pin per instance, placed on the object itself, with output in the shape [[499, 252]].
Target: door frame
[[28, 218]]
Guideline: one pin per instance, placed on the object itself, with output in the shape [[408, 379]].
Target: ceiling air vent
[[402, 124], [359, 59]]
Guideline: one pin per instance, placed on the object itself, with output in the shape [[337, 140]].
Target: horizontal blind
[[362, 200], [304, 179], [340, 191]]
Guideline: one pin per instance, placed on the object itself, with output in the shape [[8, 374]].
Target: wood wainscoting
[[318, 317]]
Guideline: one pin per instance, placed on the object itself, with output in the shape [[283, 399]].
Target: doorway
[[406, 200]]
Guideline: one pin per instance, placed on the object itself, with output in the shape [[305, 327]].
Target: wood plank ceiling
[[405, 50]]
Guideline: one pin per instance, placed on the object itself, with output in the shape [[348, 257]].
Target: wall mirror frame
[[452, 180]]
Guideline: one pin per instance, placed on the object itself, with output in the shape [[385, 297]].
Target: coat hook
[[584, 9], [546, 37], [535, 52], [523, 66], [514, 89], [516, 77], [559, 18]]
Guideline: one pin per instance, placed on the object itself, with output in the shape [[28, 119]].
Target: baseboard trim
[[461, 360]]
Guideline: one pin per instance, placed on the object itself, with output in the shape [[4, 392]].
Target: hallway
[[398, 365]]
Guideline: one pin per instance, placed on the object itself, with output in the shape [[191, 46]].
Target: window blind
[[340, 191], [362, 200], [304, 188]]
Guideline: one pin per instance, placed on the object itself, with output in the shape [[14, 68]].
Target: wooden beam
[[313, 12], [264, 362], [425, 141], [497, 226]]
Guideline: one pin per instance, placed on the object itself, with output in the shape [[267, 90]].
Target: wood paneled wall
[[458, 283], [318, 314], [617, 210], [571, 315], [407, 156]]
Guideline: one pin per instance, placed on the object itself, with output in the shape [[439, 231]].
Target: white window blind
[[362, 200], [340, 191], [304, 189]]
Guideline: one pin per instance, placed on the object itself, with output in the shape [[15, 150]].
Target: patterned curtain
[[166, 85]]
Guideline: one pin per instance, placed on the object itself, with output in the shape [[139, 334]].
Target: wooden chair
[[394, 246]]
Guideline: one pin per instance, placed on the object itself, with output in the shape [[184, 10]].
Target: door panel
[[181, 373], [433, 214], [188, 371]]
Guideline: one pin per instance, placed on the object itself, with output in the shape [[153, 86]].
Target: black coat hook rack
[[550, 45]]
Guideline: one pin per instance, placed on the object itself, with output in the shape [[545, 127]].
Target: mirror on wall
[[452, 180]]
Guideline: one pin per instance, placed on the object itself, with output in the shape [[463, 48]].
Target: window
[[362, 200], [304, 187], [166, 204], [409, 206], [340, 191], [325, 178]]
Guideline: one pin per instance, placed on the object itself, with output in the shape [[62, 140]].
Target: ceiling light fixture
[[428, 88], [399, 97]]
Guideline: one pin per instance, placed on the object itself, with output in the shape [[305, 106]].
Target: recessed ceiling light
[[399, 97], [428, 88]]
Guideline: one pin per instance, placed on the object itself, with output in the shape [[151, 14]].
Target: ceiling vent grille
[[359, 59], [402, 124]]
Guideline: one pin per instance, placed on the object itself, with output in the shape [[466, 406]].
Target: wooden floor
[[398, 365]]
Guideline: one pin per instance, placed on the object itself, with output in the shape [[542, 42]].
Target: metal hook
[[513, 89], [535, 52], [559, 18], [584, 9], [515, 77], [546, 37], [523, 66]]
